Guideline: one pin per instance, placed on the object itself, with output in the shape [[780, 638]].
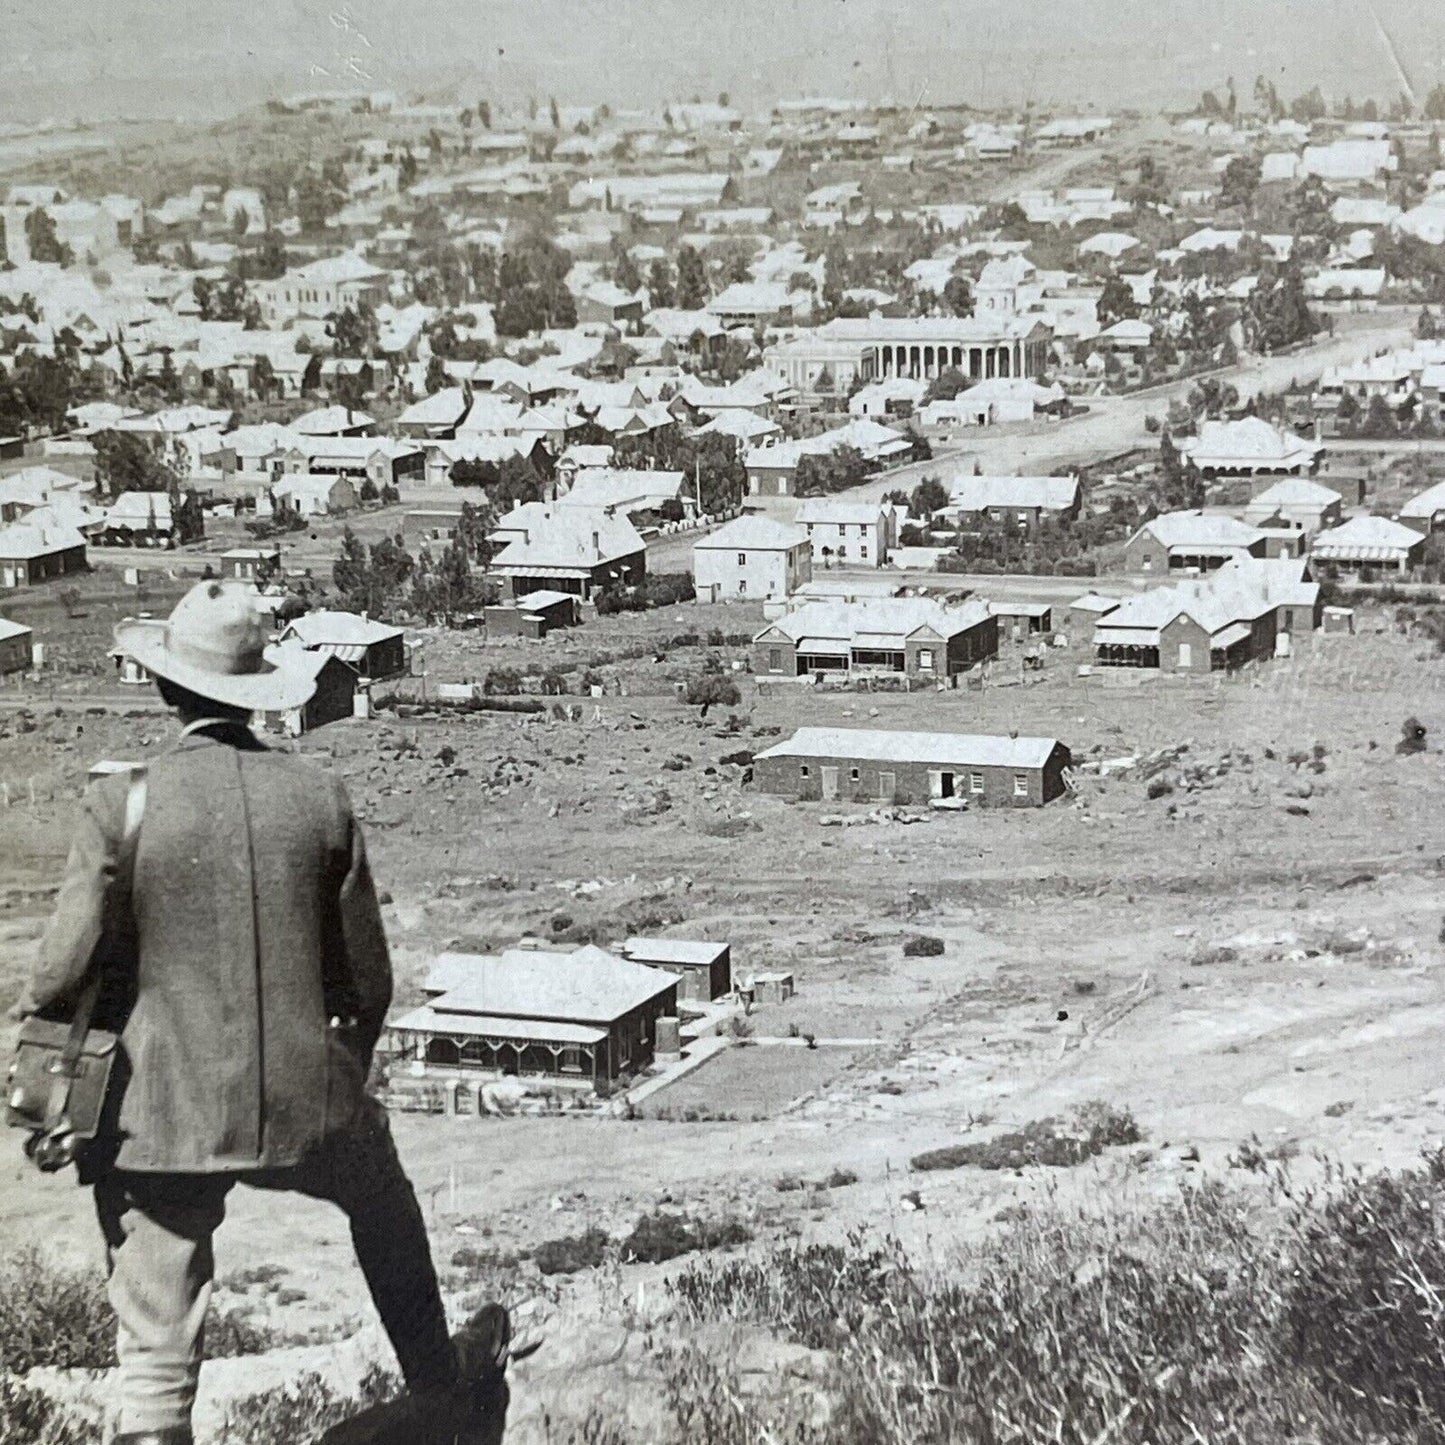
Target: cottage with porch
[[585, 1016], [913, 637]]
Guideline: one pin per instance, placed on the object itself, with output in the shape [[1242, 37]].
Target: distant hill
[[101, 58]]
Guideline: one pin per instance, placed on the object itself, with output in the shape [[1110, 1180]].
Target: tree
[[659, 283], [949, 383], [834, 471], [709, 688], [169, 380], [928, 497], [692, 288], [319, 197], [1277, 313], [127, 462], [1309, 107], [958, 294], [355, 331], [41, 237], [624, 270], [1116, 302], [368, 492], [1240, 182], [1435, 102], [436, 376]]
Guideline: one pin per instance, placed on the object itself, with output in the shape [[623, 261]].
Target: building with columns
[[834, 356]]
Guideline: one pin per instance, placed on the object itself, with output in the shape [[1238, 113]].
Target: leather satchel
[[61, 1074]]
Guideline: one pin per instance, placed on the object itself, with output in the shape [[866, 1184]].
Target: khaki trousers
[[158, 1230]]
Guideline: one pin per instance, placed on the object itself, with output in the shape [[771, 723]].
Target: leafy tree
[[318, 198], [169, 380], [349, 570], [406, 170], [1435, 102], [41, 237], [263, 376], [949, 383], [436, 376], [371, 581], [47, 386], [1309, 107], [659, 283], [355, 331], [128, 462], [958, 294], [1278, 314], [1240, 182], [188, 520], [928, 497], [692, 287], [1116, 302], [624, 270], [835, 471], [368, 492]]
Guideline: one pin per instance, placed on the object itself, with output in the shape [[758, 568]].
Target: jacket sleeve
[[368, 963], [79, 920]]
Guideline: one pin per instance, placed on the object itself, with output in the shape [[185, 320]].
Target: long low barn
[[878, 765]]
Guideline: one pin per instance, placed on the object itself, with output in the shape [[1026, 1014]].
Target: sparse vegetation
[[1054, 1143]]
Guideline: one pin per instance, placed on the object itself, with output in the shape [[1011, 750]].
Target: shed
[[17, 647], [703, 967]]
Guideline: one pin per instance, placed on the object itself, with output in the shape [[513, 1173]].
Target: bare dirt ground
[[1254, 954]]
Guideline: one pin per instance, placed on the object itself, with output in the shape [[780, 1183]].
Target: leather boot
[[176, 1435]]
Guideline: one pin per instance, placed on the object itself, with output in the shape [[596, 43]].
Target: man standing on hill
[[253, 979]]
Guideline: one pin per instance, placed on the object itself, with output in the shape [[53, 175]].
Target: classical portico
[[834, 356]]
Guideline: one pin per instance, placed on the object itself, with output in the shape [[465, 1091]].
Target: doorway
[[830, 783]]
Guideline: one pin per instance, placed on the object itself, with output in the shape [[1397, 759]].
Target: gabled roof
[[885, 746], [1295, 492], [1366, 539], [837, 509], [977, 494], [885, 622], [444, 408], [331, 421], [568, 538], [752, 534], [22, 541], [588, 986], [1424, 505], [339, 629], [1200, 529], [9, 629], [1250, 439]]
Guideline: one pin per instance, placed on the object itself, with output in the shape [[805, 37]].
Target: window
[[842, 529], [1021, 785], [742, 559], [804, 772], [571, 1060], [775, 659], [863, 551], [842, 552], [852, 775], [925, 659], [975, 782], [742, 586]]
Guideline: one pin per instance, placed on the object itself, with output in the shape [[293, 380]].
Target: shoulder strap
[[135, 801]]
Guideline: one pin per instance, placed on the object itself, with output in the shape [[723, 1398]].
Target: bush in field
[[303, 1410], [502, 682], [28, 1417], [712, 688], [922, 945], [1225, 1314], [52, 1315], [1091, 1129], [658, 1237], [573, 1252]]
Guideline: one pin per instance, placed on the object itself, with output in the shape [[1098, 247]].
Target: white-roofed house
[[1250, 447], [31, 553], [1295, 502], [585, 1015], [1201, 625], [631, 490], [575, 549], [322, 494], [322, 287], [846, 532], [138, 519], [868, 764], [1200, 540], [374, 649], [1425, 511], [916, 637], [1369, 542], [17, 647], [749, 558], [1021, 502]]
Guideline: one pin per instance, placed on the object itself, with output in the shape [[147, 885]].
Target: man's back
[[256, 924]]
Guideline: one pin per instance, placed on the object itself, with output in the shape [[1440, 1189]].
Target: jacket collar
[[219, 730]]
